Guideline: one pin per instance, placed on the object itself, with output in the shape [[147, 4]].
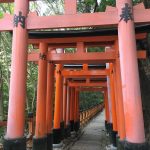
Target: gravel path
[[94, 137]]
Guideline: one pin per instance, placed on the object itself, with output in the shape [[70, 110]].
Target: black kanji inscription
[[42, 56], [19, 19], [58, 71], [126, 13]]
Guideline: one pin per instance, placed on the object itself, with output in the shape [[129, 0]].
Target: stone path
[[94, 137]]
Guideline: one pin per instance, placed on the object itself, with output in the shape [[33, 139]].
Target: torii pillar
[[134, 124], [110, 123], [40, 138], [68, 128], [49, 103], [77, 113], [113, 105], [106, 109], [72, 98], [14, 139], [65, 105], [57, 132], [62, 123]]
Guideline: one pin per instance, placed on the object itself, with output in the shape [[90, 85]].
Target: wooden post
[[57, 139], [49, 104], [134, 124], [120, 112], [113, 103], [68, 128], [62, 124], [106, 109], [70, 7], [65, 105], [77, 109], [40, 138], [14, 138], [72, 110], [110, 125], [109, 97]]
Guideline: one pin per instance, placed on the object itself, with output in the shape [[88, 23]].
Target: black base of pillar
[[114, 139], [136, 146], [62, 127], [67, 131], [109, 127], [106, 126], [14, 144], [77, 126], [72, 125], [40, 143], [112, 134], [120, 144], [49, 141], [57, 137]]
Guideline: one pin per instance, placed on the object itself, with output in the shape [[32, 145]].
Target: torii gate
[[124, 15], [89, 73]]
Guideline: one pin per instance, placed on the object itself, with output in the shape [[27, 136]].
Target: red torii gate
[[124, 15]]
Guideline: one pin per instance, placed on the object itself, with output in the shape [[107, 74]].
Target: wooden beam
[[142, 54], [71, 21], [6, 23], [74, 39], [142, 15], [94, 57], [91, 89], [71, 41], [85, 73], [91, 84], [99, 57], [77, 58], [64, 21], [70, 7], [75, 20]]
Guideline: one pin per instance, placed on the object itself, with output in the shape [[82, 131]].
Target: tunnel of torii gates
[[119, 81]]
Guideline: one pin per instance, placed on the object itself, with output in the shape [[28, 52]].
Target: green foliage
[[89, 99], [96, 49]]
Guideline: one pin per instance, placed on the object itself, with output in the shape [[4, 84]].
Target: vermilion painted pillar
[[57, 139], [68, 128], [113, 103], [116, 100], [62, 124], [120, 112], [49, 104], [134, 124], [14, 138], [77, 110], [40, 138], [106, 109], [110, 125], [72, 109], [109, 97], [65, 105]]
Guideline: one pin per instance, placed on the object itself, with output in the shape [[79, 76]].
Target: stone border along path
[[94, 135]]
